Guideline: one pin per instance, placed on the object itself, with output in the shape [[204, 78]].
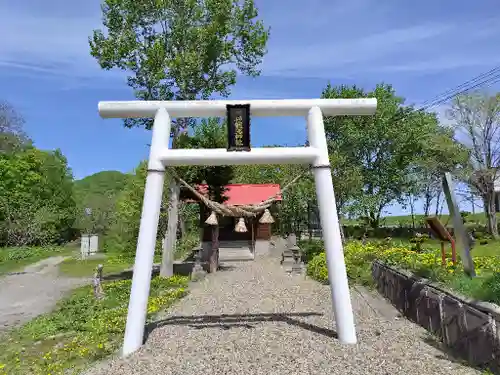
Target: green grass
[[80, 330], [492, 248], [406, 220], [75, 267], [14, 259], [114, 262]]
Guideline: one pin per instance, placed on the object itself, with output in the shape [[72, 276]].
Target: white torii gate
[[160, 156]]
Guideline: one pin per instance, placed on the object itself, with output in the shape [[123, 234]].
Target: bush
[[13, 258], [20, 253], [317, 268], [358, 260], [427, 264], [418, 240], [490, 290], [310, 248], [186, 244]]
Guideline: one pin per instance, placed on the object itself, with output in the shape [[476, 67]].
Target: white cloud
[[418, 48], [327, 54], [324, 38], [441, 63], [56, 46]]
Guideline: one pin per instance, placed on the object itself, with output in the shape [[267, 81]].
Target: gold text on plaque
[[238, 129]]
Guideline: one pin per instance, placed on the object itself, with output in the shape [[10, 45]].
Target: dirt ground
[[33, 291]]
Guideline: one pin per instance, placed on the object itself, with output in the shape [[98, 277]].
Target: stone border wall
[[469, 329]]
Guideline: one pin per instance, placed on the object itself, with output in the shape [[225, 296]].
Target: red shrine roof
[[242, 194]]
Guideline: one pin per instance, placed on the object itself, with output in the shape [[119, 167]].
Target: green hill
[[406, 220], [98, 192], [106, 183]]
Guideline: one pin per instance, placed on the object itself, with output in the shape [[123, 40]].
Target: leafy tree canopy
[[36, 197], [180, 49]]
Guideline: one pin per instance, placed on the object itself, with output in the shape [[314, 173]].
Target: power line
[[487, 82], [463, 85], [487, 78]]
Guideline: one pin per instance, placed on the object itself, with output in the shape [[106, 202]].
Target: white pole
[[337, 273], [220, 156], [137, 308]]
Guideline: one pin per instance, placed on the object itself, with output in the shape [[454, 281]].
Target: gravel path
[[255, 319], [32, 292]]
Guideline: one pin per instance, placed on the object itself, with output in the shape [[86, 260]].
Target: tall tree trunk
[[427, 201], [412, 211], [441, 210], [182, 224], [213, 260], [309, 219], [167, 259], [489, 209], [374, 219], [438, 200], [342, 236]]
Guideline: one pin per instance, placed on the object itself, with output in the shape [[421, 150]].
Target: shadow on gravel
[[448, 354], [228, 321]]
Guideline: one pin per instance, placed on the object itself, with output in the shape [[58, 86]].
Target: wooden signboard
[[438, 228], [442, 234], [238, 127]]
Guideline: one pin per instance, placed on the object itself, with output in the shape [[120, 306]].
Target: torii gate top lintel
[[217, 108]]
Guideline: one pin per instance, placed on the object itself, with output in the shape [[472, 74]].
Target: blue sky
[[423, 48]]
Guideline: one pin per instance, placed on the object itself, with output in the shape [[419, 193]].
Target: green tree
[[211, 133], [126, 219], [298, 200], [442, 153], [36, 197], [385, 147], [124, 228], [477, 124], [347, 181], [99, 193], [12, 135], [179, 49]]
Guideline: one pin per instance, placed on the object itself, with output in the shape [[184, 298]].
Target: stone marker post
[[97, 283], [462, 239]]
